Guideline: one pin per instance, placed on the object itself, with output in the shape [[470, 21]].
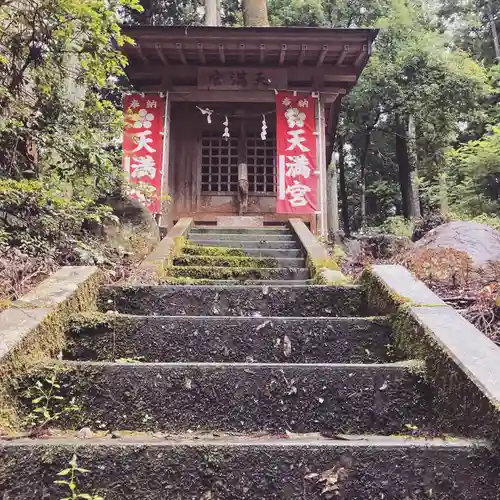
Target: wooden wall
[[187, 126]]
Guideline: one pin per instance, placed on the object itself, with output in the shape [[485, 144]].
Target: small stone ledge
[[320, 263], [158, 260], [460, 360], [34, 327]]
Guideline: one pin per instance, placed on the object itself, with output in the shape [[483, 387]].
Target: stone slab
[[233, 339], [275, 469], [28, 313], [177, 397], [254, 301], [268, 244], [241, 273], [474, 353], [240, 221], [253, 236], [236, 230], [402, 285], [160, 255]]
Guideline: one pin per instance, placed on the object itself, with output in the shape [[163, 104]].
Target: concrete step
[[194, 282], [249, 252], [144, 467], [355, 398], [261, 301], [241, 230], [233, 339], [214, 261], [241, 237], [251, 244], [239, 273]]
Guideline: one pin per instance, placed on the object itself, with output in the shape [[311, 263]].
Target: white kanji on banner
[[143, 142], [297, 140], [297, 192], [298, 166]]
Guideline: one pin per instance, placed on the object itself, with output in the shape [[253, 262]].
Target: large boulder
[[479, 241], [137, 230]]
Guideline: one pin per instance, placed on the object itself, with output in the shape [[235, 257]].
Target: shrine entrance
[[223, 110]]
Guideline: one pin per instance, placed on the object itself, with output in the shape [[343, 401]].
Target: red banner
[[297, 161], [143, 148]]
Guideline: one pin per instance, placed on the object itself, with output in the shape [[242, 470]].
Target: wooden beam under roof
[[283, 53], [180, 51], [342, 56], [161, 54], [201, 53], [322, 55], [302, 55], [140, 53], [361, 56], [222, 55]]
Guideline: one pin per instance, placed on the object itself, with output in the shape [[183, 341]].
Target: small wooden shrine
[[220, 87]]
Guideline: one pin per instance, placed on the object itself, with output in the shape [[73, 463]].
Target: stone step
[[215, 261], [144, 467], [247, 300], [239, 273], [250, 244], [241, 237], [356, 398], [249, 252], [240, 230], [233, 339], [194, 282]]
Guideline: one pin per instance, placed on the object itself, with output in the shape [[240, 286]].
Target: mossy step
[[241, 230], [232, 339], [235, 282], [240, 273], [241, 237], [213, 251], [206, 300], [225, 261], [352, 398], [144, 467], [250, 244], [251, 262]]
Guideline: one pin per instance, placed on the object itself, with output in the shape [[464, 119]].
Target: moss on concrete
[[225, 273], [46, 341], [191, 249], [224, 261]]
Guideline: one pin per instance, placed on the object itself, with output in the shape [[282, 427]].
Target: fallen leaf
[[287, 346], [206, 496], [263, 325], [312, 475]]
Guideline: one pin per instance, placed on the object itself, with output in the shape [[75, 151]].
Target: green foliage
[[45, 394], [397, 226], [42, 219], [71, 482]]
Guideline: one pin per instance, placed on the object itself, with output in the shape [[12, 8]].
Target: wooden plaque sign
[[227, 78]]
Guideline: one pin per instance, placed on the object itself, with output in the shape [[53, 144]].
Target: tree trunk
[[255, 13], [211, 14], [406, 157], [493, 27], [333, 198], [343, 189], [364, 159]]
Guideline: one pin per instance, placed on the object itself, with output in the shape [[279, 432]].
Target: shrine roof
[[338, 53]]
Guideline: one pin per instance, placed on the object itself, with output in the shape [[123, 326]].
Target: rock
[[479, 241], [85, 433], [379, 246], [428, 223], [137, 230], [116, 435]]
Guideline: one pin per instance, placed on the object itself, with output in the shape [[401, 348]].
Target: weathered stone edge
[[34, 327], [159, 259], [319, 261], [460, 360]]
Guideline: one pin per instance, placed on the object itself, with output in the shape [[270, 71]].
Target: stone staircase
[[218, 255], [244, 391]]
